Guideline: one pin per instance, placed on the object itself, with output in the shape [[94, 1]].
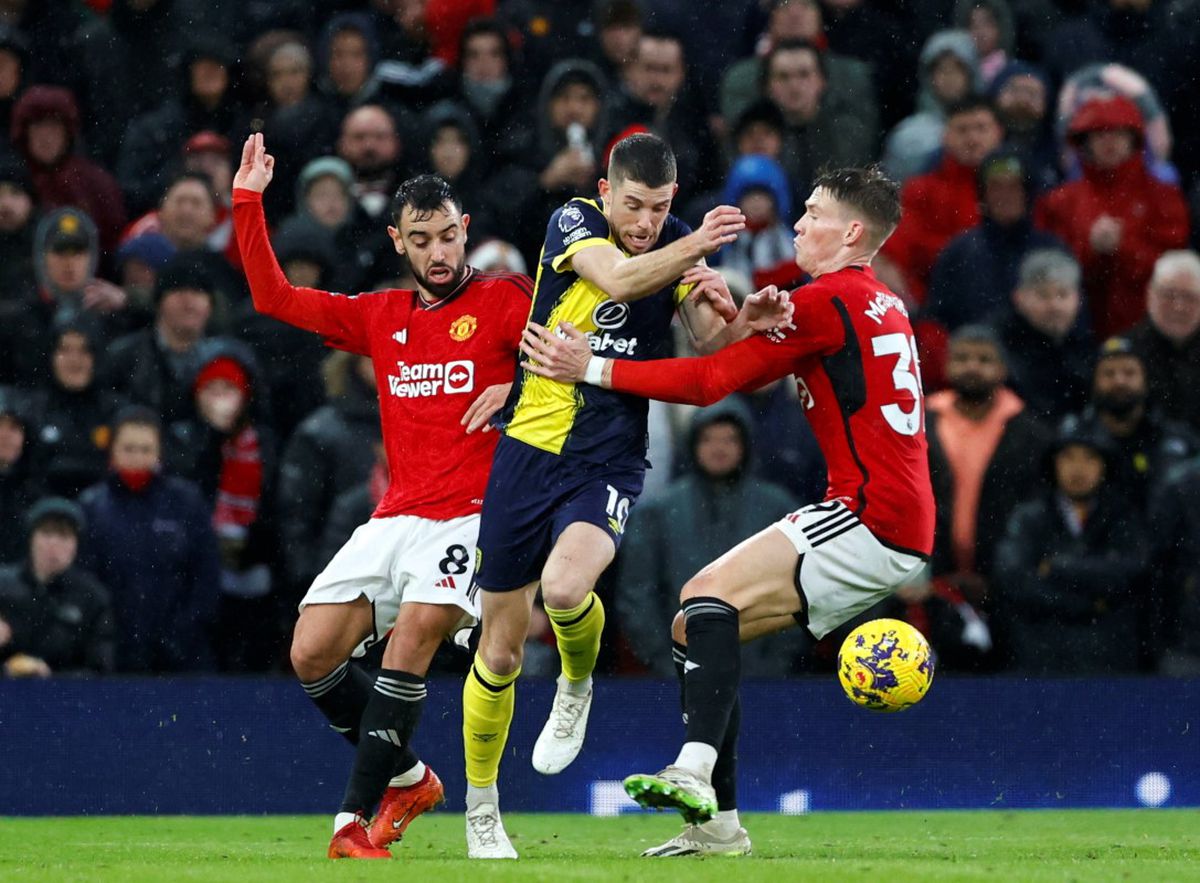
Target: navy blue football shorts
[[532, 495]]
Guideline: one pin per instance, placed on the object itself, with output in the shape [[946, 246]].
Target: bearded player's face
[[435, 244], [636, 213]]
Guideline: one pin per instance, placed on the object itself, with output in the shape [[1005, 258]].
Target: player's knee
[[702, 585], [501, 657], [311, 660], [562, 591]]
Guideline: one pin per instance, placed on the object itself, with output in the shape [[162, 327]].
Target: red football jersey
[[855, 362], [431, 362]]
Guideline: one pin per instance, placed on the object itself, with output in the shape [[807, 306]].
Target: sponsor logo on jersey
[[401, 336], [883, 302], [463, 327], [422, 379], [570, 218], [610, 314]]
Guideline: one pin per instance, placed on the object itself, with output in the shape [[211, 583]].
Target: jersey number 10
[[907, 378]]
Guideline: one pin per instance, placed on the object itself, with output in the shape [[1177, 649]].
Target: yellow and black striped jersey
[[593, 424]]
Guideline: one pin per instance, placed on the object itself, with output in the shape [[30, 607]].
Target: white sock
[[724, 824], [409, 777], [575, 688], [698, 758], [476, 796], [342, 819]]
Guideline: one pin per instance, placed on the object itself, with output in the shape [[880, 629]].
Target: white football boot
[[562, 737], [486, 837], [700, 840]]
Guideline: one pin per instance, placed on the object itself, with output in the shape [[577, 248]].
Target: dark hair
[[136, 415], [970, 104], [617, 13], [868, 190], [791, 46], [425, 194], [644, 158], [662, 32], [199, 177], [491, 26], [980, 334]]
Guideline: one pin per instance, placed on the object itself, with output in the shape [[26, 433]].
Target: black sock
[[342, 696], [713, 669], [724, 774], [383, 746]]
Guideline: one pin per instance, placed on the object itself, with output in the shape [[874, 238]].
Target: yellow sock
[[578, 632], [487, 714]]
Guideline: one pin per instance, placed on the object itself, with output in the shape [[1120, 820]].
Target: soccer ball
[[885, 665]]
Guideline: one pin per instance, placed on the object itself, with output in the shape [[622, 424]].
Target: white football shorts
[[843, 568], [402, 559]]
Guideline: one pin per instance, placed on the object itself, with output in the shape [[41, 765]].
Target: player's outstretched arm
[[625, 278], [568, 358], [336, 318]]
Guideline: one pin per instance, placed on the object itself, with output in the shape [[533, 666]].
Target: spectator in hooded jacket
[[76, 411], [990, 24], [765, 253], [949, 74], [490, 90], [346, 57], [1023, 99], [58, 618], [1069, 570], [1168, 339], [45, 130], [150, 539], [975, 274], [1117, 218], [205, 102], [670, 537]]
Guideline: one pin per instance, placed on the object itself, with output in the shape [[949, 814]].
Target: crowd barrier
[[211, 745]]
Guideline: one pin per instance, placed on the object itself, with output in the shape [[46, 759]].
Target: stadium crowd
[[175, 469]]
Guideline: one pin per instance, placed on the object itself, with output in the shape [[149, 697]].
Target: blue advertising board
[[256, 745]]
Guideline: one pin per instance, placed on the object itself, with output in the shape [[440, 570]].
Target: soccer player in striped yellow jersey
[[572, 458]]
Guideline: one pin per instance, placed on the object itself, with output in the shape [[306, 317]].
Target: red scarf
[[239, 489]]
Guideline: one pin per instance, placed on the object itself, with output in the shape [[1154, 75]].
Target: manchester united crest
[[463, 327]]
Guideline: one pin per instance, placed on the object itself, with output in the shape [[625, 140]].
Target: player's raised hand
[[563, 356], [489, 402], [710, 287], [768, 309], [720, 227], [257, 166]]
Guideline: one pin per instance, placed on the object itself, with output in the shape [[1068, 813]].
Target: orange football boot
[[400, 806], [352, 842]]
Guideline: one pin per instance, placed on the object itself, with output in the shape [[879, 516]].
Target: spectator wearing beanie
[[58, 617], [154, 367], [228, 450]]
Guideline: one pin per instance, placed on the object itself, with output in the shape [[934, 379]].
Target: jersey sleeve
[[343, 321], [674, 229], [746, 365], [572, 228]]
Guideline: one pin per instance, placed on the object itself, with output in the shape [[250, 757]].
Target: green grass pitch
[[1079, 845]]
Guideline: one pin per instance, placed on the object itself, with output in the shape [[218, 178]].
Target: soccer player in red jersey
[[444, 358], [851, 349]]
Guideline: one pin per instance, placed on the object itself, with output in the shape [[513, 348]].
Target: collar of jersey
[[466, 279]]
